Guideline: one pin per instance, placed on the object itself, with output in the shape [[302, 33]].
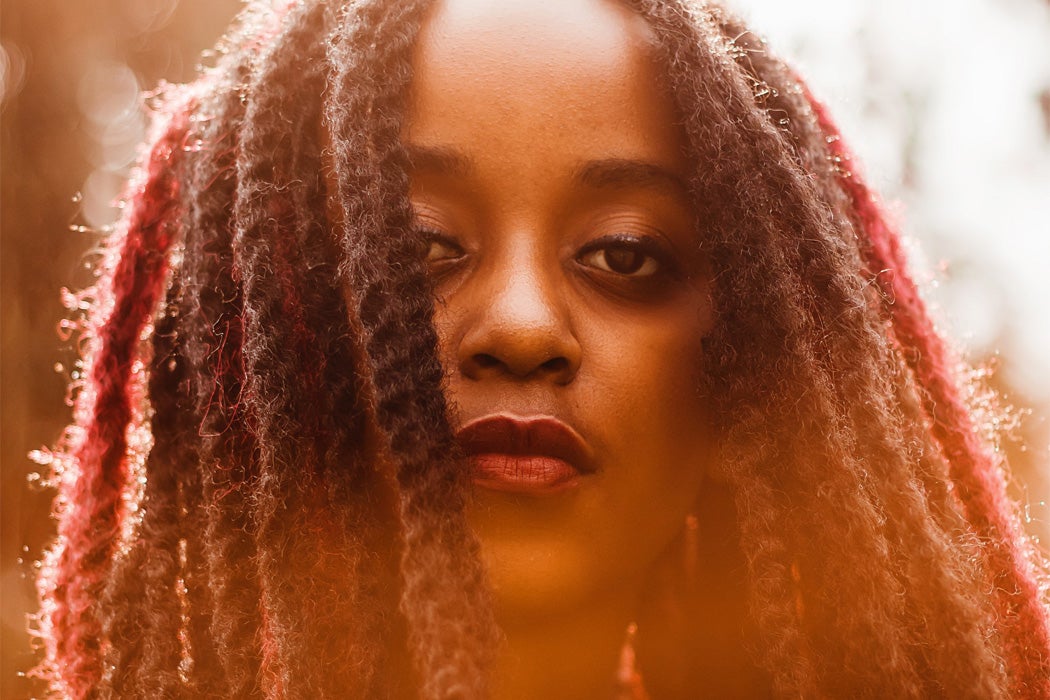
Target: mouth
[[536, 455]]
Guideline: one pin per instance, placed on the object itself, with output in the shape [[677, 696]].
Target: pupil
[[623, 260]]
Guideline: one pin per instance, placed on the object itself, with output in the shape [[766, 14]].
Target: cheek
[[646, 374], [658, 439]]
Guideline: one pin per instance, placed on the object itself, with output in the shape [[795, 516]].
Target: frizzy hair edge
[[276, 345]]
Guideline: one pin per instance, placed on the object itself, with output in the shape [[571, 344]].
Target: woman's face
[[549, 169]]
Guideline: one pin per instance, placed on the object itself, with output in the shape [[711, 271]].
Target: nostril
[[555, 365], [485, 361]]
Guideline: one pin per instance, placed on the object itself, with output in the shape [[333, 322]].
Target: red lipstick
[[533, 455]]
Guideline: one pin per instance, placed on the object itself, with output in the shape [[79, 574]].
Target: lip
[[531, 455]]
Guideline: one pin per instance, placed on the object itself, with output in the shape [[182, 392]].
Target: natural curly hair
[[261, 496]]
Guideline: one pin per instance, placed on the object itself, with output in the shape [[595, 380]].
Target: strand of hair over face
[[452, 634], [301, 529], [295, 485]]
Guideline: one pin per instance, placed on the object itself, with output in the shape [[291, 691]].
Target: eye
[[622, 261], [441, 248], [624, 255]]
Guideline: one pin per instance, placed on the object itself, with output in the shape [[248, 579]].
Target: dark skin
[[548, 170]]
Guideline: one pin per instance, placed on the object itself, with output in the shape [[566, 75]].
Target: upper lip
[[504, 433]]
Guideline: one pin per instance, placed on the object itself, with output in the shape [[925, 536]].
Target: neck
[[565, 655]]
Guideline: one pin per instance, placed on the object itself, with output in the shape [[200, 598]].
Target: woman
[[467, 349]]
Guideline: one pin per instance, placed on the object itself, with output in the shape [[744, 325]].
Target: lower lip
[[532, 474]]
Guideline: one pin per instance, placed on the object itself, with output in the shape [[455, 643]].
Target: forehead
[[577, 34], [581, 75]]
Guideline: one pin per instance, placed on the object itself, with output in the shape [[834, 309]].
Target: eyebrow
[[612, 173], [605, 173], [436, 159]]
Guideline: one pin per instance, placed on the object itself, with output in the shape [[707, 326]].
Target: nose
[[520, 328]]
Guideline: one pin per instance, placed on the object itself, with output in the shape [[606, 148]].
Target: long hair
[[261, 496]]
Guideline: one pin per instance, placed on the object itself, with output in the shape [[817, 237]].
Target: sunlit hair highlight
[[300, 532]]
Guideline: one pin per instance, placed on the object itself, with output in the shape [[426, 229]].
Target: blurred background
[[947, 104]]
